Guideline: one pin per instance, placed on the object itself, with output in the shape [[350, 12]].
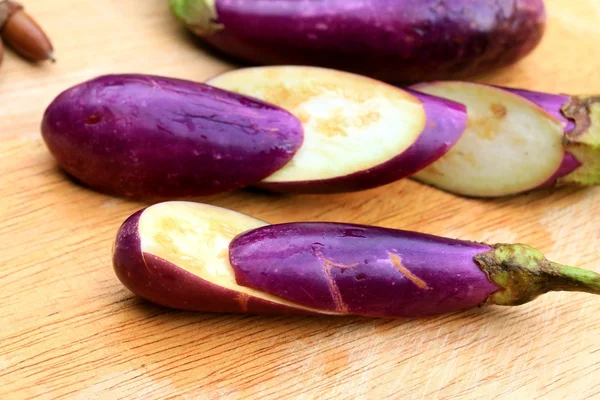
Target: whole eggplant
[[200, 257], [382, 272], [392, 40]]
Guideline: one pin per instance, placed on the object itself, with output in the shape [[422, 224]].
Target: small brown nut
[[22, 33]]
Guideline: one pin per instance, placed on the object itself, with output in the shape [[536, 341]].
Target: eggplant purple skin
[[398, 41], [291, 261], [445, 123], [155, 137], [552, 104], [165, 284]]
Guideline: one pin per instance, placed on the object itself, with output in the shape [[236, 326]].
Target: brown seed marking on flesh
[[434, 171], [303, 115], [338, 123], [224, 255], [367, 119], [485, 128], [243, 298], [164, 239], [460, 156], [397, 262], [170, 228], [498, 110], [357, 94], [332, 126], [292, 98], [470, 158], [288, 98]]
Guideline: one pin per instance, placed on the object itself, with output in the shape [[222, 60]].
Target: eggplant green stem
[[574, 279], [584, 140], [523, 273], [200, 16]]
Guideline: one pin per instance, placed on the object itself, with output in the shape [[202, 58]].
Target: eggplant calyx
[[200, 16], [523, 273], [583, 141]]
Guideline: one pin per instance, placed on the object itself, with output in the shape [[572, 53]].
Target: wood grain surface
[[70, 330]]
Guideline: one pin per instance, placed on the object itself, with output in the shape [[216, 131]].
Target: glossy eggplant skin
[[398, 41], [146, 136], [362, 270]]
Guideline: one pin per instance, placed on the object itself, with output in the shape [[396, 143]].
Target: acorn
[[22, 33]]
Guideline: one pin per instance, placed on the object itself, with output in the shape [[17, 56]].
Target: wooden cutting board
[[70, 330]]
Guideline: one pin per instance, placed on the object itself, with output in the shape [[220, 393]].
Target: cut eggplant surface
[[510, 145], [177, 254], [358, 132]]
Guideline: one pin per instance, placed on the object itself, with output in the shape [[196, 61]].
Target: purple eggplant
[[201, 257], [379, 272], [391, 40], [516, 140], [150, 136], [317, 130]]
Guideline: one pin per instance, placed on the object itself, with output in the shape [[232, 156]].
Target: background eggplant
[[393, 40], [150, 136], [516, 140], [359, 133], [200, 257]]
